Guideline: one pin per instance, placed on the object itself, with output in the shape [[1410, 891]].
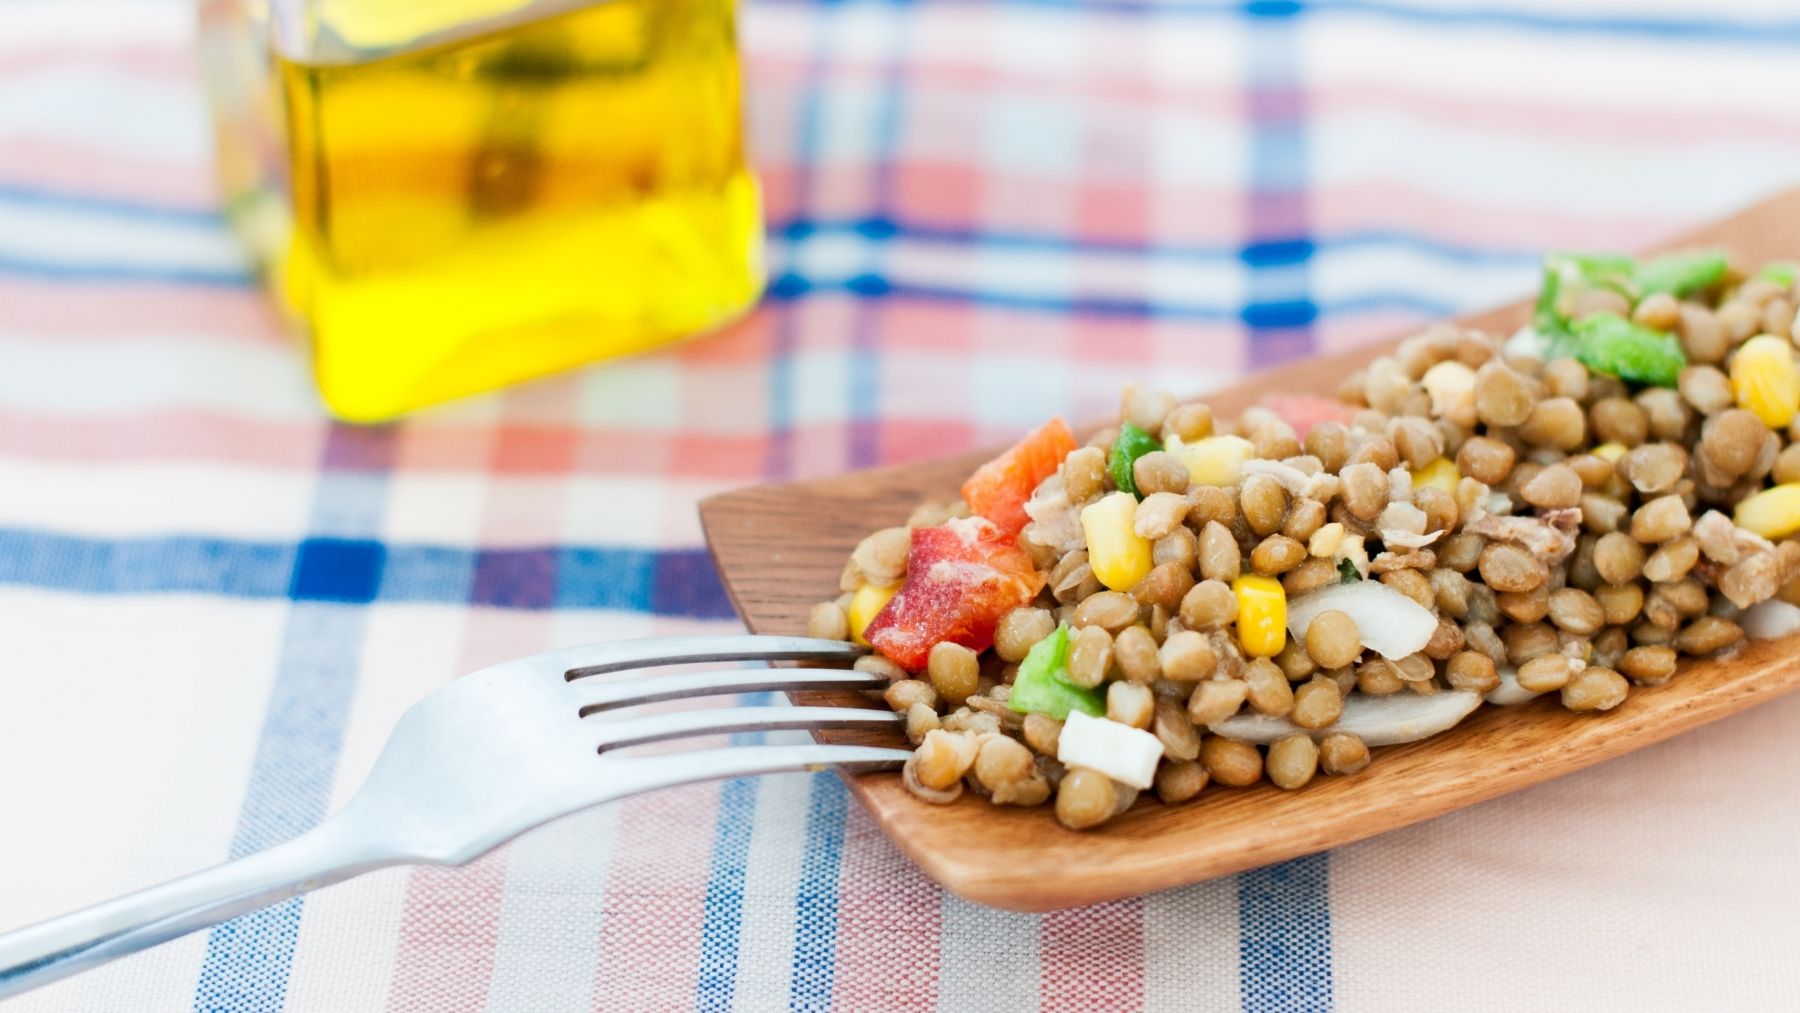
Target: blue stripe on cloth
[[56, 271], [813, 965], [677, 582], [865, 342], [248, 959], [1280, 312], [155, 211], [721, 930], [816, 922], [1284, 915], [1284, 937], [1777, 32]]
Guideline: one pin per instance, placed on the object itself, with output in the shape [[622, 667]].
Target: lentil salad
[[1182, 601]]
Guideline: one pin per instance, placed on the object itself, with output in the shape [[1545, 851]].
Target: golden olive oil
[[464, 215]]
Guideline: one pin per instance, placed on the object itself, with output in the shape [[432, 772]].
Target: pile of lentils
[[1569, 530]]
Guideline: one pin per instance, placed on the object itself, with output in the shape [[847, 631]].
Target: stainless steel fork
[[477, 763]]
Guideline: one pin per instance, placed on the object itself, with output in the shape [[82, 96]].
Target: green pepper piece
[[1132, 444], [1578, 271], [1042, 685], [1347, 572], [1681, 274], [1781, 272], [1612, 344]]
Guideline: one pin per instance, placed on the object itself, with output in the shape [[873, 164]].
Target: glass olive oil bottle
[[453, 196]]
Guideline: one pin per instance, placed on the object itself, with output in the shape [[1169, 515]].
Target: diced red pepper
[[1303, 411], [998, 489], [961, 577]]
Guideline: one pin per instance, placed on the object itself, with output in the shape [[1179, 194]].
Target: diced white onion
[[1770, 619], [1377, 720], [1509, 693], [1127, 755], [1392, 625]]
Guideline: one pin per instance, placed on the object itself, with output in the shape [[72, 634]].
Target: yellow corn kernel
[[1438, 474], [1262, 615], [1615, 485], [1772, 513], [1216, 460], [1120, 557], [1765, 380], [868, 600]]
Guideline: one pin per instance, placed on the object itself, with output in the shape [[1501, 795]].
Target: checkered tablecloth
[[214, 603]]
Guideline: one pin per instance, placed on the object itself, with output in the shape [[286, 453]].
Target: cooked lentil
[[1230, 762], [1292, 761]]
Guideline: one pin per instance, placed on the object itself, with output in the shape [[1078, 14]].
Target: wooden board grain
[[780, 549]]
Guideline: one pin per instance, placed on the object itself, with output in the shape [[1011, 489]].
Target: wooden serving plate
[[780, 549]]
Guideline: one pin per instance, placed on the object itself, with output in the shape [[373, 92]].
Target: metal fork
[[481, 761]]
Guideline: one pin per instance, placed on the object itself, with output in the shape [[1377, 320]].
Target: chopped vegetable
[[1119, 556], [1127, 755], [998, 489], [1509, 693], [1681, 274], [1782, 272], [1770, 619], [1262, 615], [1438, 473], [1347, 572], [1765, 381], [1772, 513], [961, 577], [1609, 343], [1392, 624], [1377, 720], [1572, 272], [868, 600], [1042, 685], [1304, 411], [1132, 444], [1215, 460]]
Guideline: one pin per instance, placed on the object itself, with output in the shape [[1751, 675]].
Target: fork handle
[[48, 951]]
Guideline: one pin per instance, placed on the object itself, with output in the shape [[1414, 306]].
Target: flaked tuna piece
[[1550, 537], [1320, 486]]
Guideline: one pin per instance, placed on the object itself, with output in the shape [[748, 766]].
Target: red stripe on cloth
[[1093, 958], [889, 925], [169, 63], [649, 946], [448, 931], [111, 311], [63, 166], [169, 433], [1130, 91]]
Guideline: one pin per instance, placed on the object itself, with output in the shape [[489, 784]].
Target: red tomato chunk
[[961, 577], [998, 489]]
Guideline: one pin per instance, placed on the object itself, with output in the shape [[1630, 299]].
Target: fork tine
[[599, 696], [598, 659], [630, 775], [617, 733]]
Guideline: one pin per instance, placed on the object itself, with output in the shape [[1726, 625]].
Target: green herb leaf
[[1611, 344], [1347, 573], [1132, 444], [1042, 685], [1681, 274], [1781, 272]]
